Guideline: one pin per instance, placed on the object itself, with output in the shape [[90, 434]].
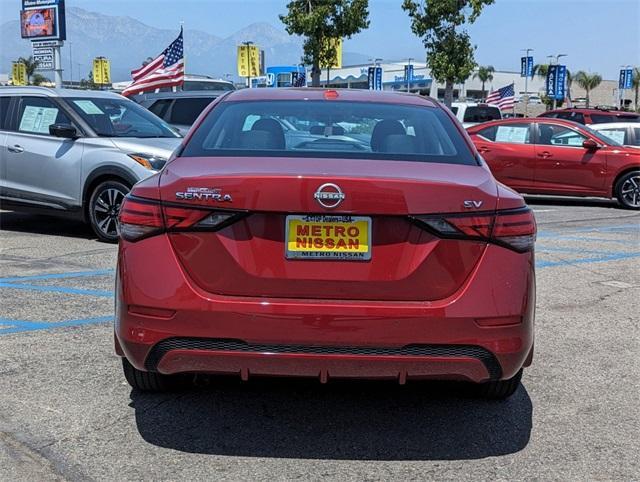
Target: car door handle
[[545, 154], [16, 148], [483, 149]]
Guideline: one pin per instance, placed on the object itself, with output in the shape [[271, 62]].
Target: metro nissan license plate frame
[[293, 252]]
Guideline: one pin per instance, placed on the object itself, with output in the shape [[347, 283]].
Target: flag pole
[[184, 55]]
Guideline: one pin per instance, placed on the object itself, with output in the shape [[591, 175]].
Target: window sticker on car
[[515, 134], [38, 119], [88, 107]]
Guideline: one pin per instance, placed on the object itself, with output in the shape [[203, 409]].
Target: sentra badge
[[204, 194]]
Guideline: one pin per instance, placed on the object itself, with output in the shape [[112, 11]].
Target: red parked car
[[558, 157], [592, 116], [328, 234]]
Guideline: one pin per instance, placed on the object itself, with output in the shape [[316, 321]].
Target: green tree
[[31, 65], [321, 20], [449, 50], [588, 82], [38, 79], [484, 74]]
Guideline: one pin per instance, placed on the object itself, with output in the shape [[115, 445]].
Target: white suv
[[77, 153], [471, 113]]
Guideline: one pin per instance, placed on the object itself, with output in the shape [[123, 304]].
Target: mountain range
[[127, 42]]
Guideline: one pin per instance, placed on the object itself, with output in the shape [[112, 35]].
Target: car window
[[636, 135], [551, 115], [601, 118], [572, 116], [454, 110], [4, 112], [185, 111], [353, 130], [36, 114], [159, 107], [556, 135], [481, 114], [511, 133], [119, 117], [617, 134]]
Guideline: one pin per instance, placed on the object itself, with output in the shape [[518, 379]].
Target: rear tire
[[104, 206], [498, 389], [151, 381], [627, 190]]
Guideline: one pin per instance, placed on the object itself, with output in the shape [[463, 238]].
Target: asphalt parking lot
[[67, 412]]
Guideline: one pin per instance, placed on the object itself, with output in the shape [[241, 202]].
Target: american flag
[[504, 98], [166, 70]]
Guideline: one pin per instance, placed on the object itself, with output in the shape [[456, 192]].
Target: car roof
[[605, 125], [354, 95], [180, 94], [520, 120], [50, 92], [592, 111]]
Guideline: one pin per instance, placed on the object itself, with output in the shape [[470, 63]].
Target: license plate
[[318, 236]]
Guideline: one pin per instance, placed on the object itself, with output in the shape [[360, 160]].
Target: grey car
[[179, 109], [77, 153]]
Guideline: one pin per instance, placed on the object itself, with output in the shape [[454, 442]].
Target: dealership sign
[[43, 19], [44, 56], [556, 82]]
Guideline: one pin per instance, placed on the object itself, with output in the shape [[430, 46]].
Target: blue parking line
[[18, 326], [57, 289], [612, 257], [71, 274]]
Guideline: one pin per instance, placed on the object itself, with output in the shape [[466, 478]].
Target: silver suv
[[77, 152]]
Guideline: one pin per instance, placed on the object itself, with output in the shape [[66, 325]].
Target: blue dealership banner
[[374, 78], [526, 67], [408, 73], [552, 80], [561, 82], [626, 79]]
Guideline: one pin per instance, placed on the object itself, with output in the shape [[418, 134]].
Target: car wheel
[[498, 389], [104, 206], [627, 190], [151, 381]]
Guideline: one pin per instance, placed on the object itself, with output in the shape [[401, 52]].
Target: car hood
[[158, 146]]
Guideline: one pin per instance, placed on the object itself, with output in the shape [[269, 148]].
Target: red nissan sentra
[[328, 234]]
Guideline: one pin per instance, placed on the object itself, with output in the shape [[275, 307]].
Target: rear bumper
[[166, 324]]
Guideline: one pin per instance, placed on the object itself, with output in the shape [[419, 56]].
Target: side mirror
[[590, 145], [66, 131]]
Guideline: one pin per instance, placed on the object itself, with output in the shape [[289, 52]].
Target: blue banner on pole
[[378, 83], [626, 79], [526, 67], [561, 82], [371, 78], [408, 73], [551, 81]]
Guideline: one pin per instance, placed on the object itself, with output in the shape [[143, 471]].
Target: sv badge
[[472, 204]]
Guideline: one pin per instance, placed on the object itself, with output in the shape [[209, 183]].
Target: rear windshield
[[481, 114], [186, 111], [335, 129]]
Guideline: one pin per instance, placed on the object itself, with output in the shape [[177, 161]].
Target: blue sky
[[597, 35]]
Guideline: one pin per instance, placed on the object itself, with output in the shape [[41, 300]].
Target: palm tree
[[588, 82], [636, 86], [31, 65], [485, 74]]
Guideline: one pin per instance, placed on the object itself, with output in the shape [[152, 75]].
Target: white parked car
[[627, 133], [472, 113]]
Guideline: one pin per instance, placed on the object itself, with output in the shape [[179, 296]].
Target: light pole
[[526, 81], [247, 44], [558, 57], [70, 65]]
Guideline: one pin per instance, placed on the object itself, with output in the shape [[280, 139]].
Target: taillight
[[513, 228], [141, 218]]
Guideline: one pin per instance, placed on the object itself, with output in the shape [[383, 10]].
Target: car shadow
[[535, 200], [43, 224], [354, 420]]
